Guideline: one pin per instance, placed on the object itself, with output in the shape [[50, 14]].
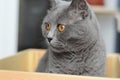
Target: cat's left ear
[[54, 3], [79, 7]]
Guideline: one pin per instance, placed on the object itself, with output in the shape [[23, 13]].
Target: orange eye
[[61, 27], [47, 26]]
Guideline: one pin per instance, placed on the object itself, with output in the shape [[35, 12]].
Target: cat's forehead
[[55, 15]]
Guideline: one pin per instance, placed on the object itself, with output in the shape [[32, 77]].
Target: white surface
[[8, 27]]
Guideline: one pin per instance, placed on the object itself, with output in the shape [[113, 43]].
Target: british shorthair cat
[[75, 43]]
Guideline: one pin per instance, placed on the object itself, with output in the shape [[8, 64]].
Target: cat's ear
[[54, 3], [79, 6]]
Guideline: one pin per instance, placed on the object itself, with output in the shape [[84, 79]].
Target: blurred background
[[20, 24]]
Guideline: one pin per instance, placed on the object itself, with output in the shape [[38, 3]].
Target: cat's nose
[[49, 40]]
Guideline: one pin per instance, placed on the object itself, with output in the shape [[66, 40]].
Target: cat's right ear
[[79, 7]]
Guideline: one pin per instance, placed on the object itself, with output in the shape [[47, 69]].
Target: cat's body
[[79, 49]]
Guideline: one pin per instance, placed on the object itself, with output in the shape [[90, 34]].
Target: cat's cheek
[[45, 33]]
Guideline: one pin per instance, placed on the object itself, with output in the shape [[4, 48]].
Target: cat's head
[[68, 23]]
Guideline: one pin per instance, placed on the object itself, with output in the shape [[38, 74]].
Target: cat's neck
[[63, 62]]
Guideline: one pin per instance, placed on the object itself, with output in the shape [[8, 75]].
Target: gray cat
[[75, 43]]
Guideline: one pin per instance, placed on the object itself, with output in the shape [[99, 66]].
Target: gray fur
[[79, 50]]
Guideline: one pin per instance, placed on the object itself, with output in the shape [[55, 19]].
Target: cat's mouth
[[56, 45], [57, 48]]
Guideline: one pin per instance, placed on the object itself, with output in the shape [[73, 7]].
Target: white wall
[[8, 27], [108, 31]]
